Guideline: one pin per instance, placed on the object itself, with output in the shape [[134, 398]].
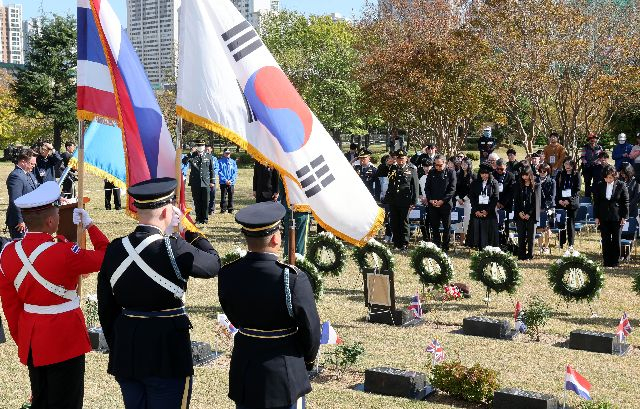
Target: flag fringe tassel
[[256, 154]]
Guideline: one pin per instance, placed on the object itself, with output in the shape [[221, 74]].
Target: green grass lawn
[[523, 364]]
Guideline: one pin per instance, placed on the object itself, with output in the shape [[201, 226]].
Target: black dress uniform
[[440, 185], [265, 183], [402, 193], [201, 177], [140, 305], [369, 176], [278, 342]]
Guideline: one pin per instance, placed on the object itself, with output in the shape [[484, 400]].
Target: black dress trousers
[[440, 216], [57, 386], [610, 232], [400, 226]]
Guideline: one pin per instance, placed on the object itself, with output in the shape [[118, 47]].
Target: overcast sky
[[348, 8]]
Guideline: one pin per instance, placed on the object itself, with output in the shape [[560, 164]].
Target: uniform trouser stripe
[[185, 394]]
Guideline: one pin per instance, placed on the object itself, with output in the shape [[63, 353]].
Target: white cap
[[46, 194]]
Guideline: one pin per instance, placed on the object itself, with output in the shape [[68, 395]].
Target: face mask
[[200, 149]]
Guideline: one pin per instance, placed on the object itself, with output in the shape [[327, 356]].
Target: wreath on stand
[[315, 278], [377, 250], [232, 256], [576, 278], [431, 264], [497, 270], [325, 246]]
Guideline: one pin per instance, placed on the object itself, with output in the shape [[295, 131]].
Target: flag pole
[[81, 237], [178, 159], [564, 392]]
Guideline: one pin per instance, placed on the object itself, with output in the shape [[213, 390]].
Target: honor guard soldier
[[273, 348], [368, 173], [38, 288], [402, 195], [201, 180], [141, 288]]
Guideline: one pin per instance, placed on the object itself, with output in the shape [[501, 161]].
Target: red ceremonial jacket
[[57, 337]]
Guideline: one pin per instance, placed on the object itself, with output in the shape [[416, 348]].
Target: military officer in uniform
[[402, 196], [141, 288], [201, 180], [272, 349], [368, 173], [38, 280]]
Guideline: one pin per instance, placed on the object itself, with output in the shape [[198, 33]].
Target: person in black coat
[[265, 183], [464, 178], [506, 180], [611, 210], [402, 196], [547, 203], [72, 176], [273, 349], [526, 209], [47, 164], [140, 302], [627, 175], [440, 189], [568, 198], [484, 193], [20, 181]]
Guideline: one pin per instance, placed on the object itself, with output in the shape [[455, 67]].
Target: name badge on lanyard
[[552, 159], [500, 187], [484, 200], [566, 193]]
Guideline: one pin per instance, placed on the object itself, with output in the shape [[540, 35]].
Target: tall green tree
[[46, 86], [319, 57]]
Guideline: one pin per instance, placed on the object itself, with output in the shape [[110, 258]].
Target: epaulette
[[293, 268], [61, 239]]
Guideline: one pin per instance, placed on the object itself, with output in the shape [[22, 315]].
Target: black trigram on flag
[[234, 42], [315, 176]]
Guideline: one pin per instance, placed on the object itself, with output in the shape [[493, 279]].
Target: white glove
[[176, 221], [81, 215]]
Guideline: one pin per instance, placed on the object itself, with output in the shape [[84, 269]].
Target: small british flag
[[624, 327], [436, 349], [416, 307]]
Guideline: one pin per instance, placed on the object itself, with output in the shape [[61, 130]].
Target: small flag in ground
[[328, 336], [436, 349], [573, 381], [416, 307], [224, 321], [624, 327], [518, 315]]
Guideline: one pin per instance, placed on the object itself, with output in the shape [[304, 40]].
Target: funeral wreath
[[576, 278], [497, 270], [431, 264], [327, 244], [315, 278], [232, 256], [376, 249]]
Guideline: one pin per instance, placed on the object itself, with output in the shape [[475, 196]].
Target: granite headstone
[[486, 327], [397, 382], [510, 398]]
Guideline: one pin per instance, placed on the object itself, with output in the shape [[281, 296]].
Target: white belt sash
[[28, 268], [134, 256]]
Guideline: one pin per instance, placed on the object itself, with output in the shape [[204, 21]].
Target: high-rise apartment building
[[30, 28], [152, 26], [254, 10], [11, 46]]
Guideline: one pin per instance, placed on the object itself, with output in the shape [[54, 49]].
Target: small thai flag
[[224, 321], [328, 336], [416, 307], [624, 328], [436, 349], [573, 381], [518, 316]]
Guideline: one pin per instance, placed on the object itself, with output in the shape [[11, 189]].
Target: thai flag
[[624, 327], [112, 83], [436, 349], [224, 321], [573, 381], [416, 307], [328, 336]]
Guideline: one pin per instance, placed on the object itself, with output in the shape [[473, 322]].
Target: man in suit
[[440, 190], [141, 285], [38, 284], [402, 196], [20, 182], [273, 349], [506, 183], [47, 163], [72, 176], [265, 183], [201, 178]]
